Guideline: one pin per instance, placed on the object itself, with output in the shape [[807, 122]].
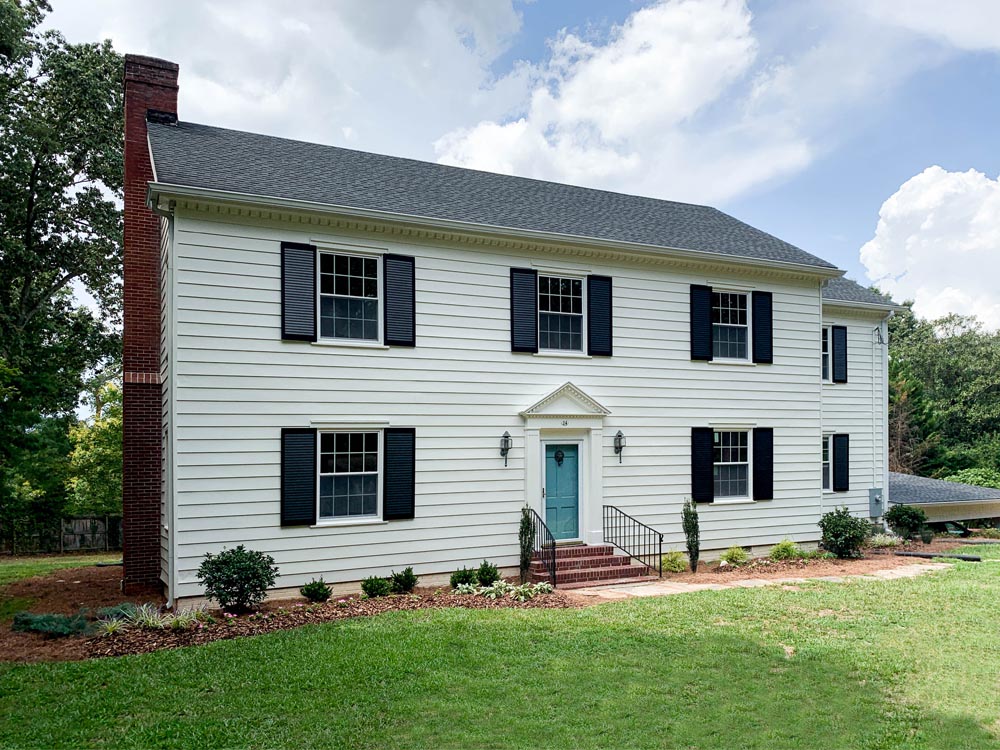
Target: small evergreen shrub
[[375, 587], [51, 625], [526, 542], [905, 520], [735, 555], [316, 591], [487, 574], [674, 562], [464, 576], [843, 534], [238, 579], [883, 541], [692, 534], [403, 582], [786, 549]]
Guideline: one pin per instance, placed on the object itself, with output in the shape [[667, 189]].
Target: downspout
[[168, 215]]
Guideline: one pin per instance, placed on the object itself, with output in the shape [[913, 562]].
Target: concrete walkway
[[665, 587]]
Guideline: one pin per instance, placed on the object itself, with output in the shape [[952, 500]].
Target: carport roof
[[907, 489]]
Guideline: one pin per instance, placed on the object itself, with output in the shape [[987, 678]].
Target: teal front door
[[562, 491]]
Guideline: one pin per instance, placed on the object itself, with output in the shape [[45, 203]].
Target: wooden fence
[[88, 534]]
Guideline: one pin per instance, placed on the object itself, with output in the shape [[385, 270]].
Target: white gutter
[[157, 189]]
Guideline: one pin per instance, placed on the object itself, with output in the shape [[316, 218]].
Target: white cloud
[[620, 114], [938, 243], [966, 24]]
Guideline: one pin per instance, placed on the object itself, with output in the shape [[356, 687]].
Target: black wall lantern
[[619, 445], [505, 445]]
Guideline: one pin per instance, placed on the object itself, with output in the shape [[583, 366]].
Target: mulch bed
[[763, 568], [67, 591]]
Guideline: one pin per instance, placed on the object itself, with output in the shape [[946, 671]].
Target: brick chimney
[[150, 84]]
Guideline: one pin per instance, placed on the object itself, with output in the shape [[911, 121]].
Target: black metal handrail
[[544, 546], [637, 540]]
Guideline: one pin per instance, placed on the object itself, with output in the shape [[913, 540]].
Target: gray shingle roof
[[906, 489], [845, 290], [206, 157]]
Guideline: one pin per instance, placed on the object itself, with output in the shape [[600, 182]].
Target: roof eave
[[160, 189], [854, 305]]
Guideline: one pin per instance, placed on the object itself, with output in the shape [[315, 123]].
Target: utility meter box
[[876, 503]]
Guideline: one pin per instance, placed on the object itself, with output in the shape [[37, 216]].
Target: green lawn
[[15, 568], [902, 664]]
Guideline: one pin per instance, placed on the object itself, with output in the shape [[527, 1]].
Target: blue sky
[[863, 131]]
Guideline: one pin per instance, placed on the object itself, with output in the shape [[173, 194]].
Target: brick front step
[[584, 550], [575, 563], [593, 575]]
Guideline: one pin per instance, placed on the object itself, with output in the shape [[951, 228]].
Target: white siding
[[858, 407], [235, 384]]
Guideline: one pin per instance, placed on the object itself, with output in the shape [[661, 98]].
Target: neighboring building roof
[[907, 489], [199, 156], [845, 290]]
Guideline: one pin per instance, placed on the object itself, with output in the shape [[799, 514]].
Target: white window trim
[[747, 360], [322, 340], [351, 520], [735, 499], [829, 354], [582, 351], [828, 441]]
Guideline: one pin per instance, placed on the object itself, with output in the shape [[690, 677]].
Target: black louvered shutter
[[763, 463], [838, 334], [298, 476], [298, 291], [599, 316], [763, 333], [400, 300], [701, 322], [841, 463], [523, 310], [399, 473], [702, 465]]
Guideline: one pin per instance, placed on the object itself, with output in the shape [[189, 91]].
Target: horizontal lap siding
[[237, 384], [857, 408]]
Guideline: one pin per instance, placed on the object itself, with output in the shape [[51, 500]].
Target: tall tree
[[913, 432], [60, 222]]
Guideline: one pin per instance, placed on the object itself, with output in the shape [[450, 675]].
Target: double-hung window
[[827, 460], [348, 297], [730, 325], [825, 353], [560, 313], [731, 465], [349, 464]]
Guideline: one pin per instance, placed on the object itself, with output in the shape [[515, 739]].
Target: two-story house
[[356, 362]]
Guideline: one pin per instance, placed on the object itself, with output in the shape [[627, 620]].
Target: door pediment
[[567, 403]]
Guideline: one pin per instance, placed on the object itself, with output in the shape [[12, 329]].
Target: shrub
[[403, 582], [989, 533], [735, 555], [926, 534], [786, 549], [980, 477], [375, 587], [692, 535], [238, 579], [674, 562], [526, 540], [51, 625], [123, 611], [466, 576], [316, 591], [487, 574], [146, 616], [817, 554], [905, 520], [843, 534], [883, 541]]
